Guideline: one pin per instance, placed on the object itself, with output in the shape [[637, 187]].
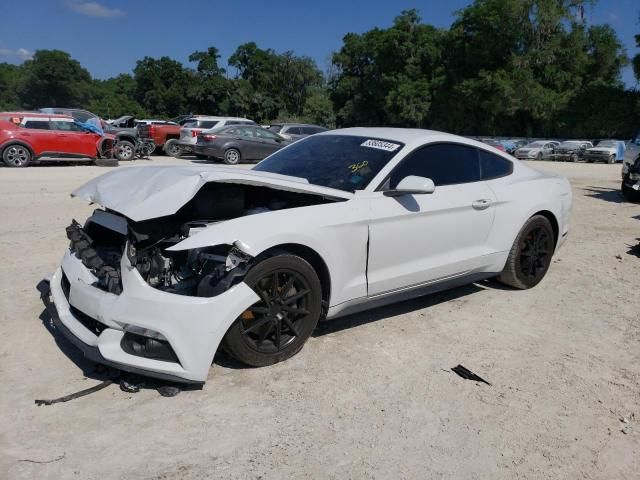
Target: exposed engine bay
[[204, 272]]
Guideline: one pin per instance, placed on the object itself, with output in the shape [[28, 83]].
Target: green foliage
[[504, 67], [53, 79]]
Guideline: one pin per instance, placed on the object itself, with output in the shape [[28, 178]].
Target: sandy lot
[[370, 395]]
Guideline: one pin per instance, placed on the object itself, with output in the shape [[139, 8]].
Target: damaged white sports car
[[182, 259]]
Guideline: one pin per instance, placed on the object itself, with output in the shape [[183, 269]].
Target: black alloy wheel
[[535, 252], [530, 255], [277, 326]]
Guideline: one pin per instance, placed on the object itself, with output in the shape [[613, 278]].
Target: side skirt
[[366, 303]]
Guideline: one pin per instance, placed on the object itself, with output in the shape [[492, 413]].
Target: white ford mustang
[[182, 259]]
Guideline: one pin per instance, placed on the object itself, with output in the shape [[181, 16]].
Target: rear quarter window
[[492, 166]]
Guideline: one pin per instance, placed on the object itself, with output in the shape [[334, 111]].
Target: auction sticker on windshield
[[380, 145]]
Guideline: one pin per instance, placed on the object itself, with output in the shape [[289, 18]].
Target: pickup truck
[[163, 136]]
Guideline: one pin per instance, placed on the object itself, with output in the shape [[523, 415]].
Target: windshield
[[607, 143], [536, 145], [337, 161], [569, 144], [275, 128]]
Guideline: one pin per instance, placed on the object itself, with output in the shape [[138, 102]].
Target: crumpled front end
[[130, 294], [117, 318]]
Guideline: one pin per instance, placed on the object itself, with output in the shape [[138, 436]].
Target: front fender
[[337, 232]]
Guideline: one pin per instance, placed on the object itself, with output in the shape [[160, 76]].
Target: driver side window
[[444, 163]]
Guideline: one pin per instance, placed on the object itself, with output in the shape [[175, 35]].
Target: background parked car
[[511, 145], [238, 143], [191, 128], [123, 128], [295, 131], [494, 144], [604, 151], [571, 150], [538, 150], [145, 121], [26, 137]]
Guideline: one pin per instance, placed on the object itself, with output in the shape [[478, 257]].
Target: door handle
[[481, 204]]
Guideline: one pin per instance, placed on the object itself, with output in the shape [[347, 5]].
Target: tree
[[10, 77], [210, 90], [115, 97], [162, 85], [387, 77], [53, 79], [275, 85]]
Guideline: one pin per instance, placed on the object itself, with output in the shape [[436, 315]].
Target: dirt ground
[[371, 395]]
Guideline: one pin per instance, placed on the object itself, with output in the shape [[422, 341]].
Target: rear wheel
[[125, 150], [276, 327], [172, 148], [232, 156], [16, 156], [530, 255]]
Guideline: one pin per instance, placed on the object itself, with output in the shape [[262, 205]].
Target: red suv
[[26, 137]]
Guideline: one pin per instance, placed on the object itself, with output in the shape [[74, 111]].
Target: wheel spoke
[[278, 334], [291, 326], [296, 297], [256, 325], [264, 296], [287, 286], [265, 333], [259, 310], [294, 310]]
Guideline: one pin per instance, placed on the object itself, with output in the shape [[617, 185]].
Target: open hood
[[142, 193]]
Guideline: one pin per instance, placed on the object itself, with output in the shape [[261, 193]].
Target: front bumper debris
[[98, 322]]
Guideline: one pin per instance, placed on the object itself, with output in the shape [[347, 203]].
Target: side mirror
[[412, 185]]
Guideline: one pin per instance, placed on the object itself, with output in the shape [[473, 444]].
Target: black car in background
[[238, 143]]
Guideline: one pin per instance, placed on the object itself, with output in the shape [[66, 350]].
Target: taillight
[[208, 137], [194, 133], [151, 129]]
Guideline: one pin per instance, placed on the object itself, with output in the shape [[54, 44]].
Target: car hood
[[602, 149], [142, 193]]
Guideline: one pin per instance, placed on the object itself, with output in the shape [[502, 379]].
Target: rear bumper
[[210, 150], [192, 326]]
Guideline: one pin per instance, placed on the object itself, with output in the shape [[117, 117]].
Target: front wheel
[[530, 255], [277, 326], [539, 156], [574, 158], [16, 156], [232, 156], [611, 159], [125, 150]]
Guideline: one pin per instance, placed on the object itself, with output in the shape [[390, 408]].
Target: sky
[[108, 36]]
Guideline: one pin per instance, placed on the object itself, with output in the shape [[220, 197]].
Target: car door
[[37, 132], [425, 238], [268, 141], [73, 139], [249, 145]]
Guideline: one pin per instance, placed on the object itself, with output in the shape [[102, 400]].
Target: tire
[[536, 234], [106, 162], [253, 338], [611, 160], [16, 156], [232, 156], [574, 158], [629, 194], [172, 148], [125, 151], [539, 156], [200, 156]]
